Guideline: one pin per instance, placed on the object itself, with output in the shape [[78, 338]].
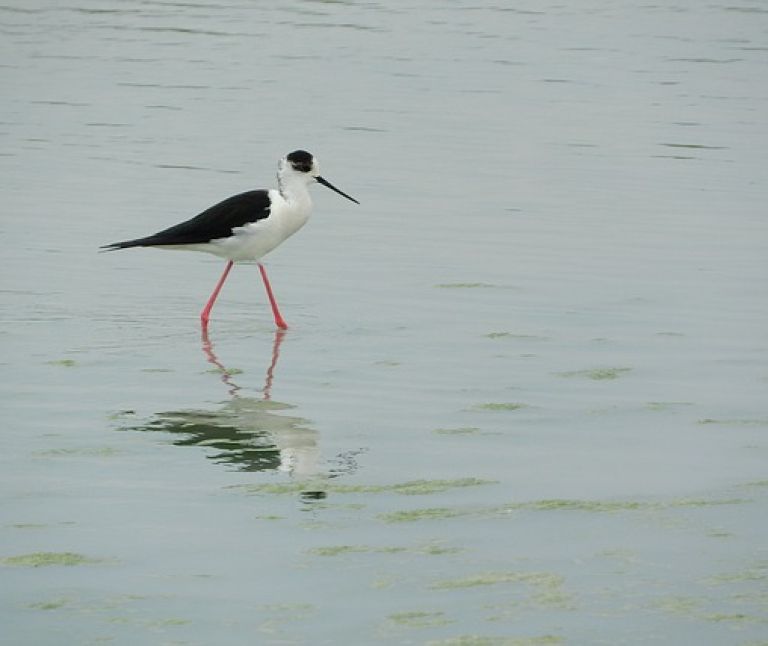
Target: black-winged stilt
[[247, 226]]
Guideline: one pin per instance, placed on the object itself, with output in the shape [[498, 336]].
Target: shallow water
[[522, 397]]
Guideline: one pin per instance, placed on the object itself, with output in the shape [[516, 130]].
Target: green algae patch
[[432, 549], [555, 505], [383, 583], [63, 363], [44, 559], [596, 374], [691, 607], [759, 573], [90, 452], [170, 621], [719, 533], [733, 618], [462, 430], [411, 515], [677, 605], [735, 422], [280, 615], [338, 550], [542, 580], [120, 414], [52, 604], [578, 505], [663, 406], [410, 488], [514, 335], [478, 640], [695, 502], [154, 623], [437, 550], [274, 488], [224, 371], [417, 619], [463, 285], [500, 406], [609, 506], [539, 590], [423, 487]]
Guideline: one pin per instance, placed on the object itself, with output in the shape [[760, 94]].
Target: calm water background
[[523, 396]]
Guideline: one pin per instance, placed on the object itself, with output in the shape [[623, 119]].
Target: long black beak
[[325, 182]]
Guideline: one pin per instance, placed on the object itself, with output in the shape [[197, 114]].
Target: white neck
[[293, 187]]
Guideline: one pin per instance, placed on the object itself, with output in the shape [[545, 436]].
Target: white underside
[[255, 240]]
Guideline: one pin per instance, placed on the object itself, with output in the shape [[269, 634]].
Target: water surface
[[522, 396]]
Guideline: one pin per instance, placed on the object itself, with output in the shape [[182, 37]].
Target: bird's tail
[[127, 244]]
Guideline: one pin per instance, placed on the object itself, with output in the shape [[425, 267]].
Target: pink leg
[[279, 321], [205, 314], [279, 334], [210, 354]]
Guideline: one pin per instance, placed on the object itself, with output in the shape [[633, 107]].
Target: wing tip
[[125, 244], [113, 246]]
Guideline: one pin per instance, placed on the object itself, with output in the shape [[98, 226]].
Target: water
[[522, 398]]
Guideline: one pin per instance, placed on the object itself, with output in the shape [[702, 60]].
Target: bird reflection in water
[[249, 433]]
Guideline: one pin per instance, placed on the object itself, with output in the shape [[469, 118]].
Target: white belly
[[256, 239]]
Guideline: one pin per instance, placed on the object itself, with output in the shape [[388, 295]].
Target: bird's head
[[302, 166]]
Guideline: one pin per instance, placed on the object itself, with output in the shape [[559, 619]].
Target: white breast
[[256, 239]]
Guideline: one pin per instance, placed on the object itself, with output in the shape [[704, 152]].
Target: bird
[[246, 226]]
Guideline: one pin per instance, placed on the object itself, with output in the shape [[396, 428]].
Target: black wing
[[215, 222]]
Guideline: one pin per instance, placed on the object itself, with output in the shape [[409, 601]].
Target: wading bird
[[247, 226]]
